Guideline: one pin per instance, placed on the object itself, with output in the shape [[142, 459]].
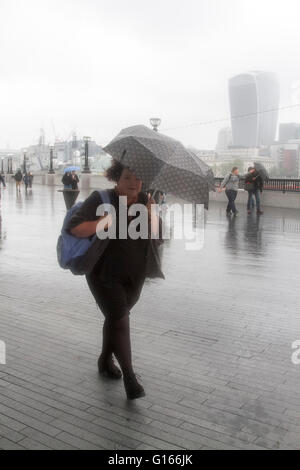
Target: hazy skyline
[[95, 66]]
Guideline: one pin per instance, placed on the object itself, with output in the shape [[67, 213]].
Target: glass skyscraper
[[254, 101]]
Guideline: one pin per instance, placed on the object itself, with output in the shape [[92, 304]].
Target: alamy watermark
[[177, 221], [2, 353]]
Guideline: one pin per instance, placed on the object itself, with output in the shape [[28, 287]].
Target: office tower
[[254, 95]]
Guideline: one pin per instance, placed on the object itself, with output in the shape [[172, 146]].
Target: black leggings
[[115, 301]]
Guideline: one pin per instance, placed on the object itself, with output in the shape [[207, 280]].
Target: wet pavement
[[212, 343]]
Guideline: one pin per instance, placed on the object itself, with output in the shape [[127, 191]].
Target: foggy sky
[[97, 66]]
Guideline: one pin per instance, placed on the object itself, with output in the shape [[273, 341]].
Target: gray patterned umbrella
[[163, 163]]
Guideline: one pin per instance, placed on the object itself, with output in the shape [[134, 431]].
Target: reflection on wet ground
[[212, 342]]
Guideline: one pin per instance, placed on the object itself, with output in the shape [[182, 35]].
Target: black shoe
[[109, 369], [133, 388], [228, 213]]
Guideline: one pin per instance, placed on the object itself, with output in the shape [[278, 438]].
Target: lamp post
[[24, 160], [86, 168], [155, 123], [2, 167], [51, 171], [9, 165]]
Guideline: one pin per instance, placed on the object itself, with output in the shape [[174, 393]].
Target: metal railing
[[273, 184]]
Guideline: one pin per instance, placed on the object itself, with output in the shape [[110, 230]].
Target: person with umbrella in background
[[67, 180], [74, 180], [249, 187], [254, 181]]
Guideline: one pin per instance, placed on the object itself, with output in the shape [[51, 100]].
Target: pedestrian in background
[[66, 180], [74, 180], [248, 187], [18, 179], [231, 185], [26, 180], [2, 180], [30, 179], [254, 186]]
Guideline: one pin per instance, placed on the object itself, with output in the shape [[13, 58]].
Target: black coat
[[253, 182], [18, 176], [66, 179], [74, 181], [87, 212]]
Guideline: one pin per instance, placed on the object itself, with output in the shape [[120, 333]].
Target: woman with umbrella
[[141, 158], [74, 180], [117, 279], [67, 180], [70, 179]]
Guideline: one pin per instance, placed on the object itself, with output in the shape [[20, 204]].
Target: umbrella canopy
[[71, 168], [261, 170], [163, 163]]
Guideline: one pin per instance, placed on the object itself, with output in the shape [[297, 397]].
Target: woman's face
[[129, 185]]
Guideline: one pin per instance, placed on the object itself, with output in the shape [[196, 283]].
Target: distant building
[[287, 158], [289, 131], [224, 138], [65, 153], [251, 95], [245, 156]]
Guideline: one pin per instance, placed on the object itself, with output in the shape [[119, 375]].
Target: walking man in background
[[18, 179]]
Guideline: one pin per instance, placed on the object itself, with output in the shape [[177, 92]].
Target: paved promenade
[[211, 343]]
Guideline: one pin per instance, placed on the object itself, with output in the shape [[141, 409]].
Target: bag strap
[[104, 194], [227, 179]]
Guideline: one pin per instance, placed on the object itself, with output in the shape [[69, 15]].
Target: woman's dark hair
[[113, 173], [234, 168]]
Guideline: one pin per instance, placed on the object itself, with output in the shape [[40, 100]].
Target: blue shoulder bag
[[80, 255]]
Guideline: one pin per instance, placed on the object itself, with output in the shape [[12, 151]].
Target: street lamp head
[[155, 123], [51, 147], [86, 139]]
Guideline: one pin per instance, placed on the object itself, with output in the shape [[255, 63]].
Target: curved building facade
[[256, 95]]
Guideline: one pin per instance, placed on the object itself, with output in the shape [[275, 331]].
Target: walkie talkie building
[[254, 101]]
